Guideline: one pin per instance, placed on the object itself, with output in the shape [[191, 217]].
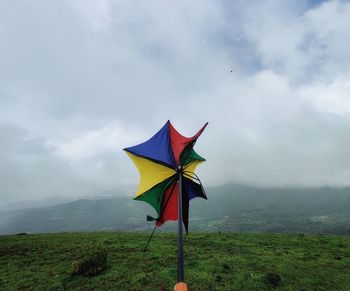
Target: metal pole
[[180, 258]]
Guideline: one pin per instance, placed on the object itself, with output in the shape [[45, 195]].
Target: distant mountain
[[35, 203], [244, 208], [229, 208]]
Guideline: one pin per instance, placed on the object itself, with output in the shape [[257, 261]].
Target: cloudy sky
[[81, 79]]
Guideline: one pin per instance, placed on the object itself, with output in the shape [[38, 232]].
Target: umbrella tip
[[181, 286]]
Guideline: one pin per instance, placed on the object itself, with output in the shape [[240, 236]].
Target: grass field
[[213, 261]]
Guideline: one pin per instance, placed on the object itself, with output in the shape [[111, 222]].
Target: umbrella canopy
[[160, 160]]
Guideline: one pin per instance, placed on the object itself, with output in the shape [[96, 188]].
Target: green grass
[[213, 261]]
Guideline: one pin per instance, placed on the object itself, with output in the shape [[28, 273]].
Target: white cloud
[[80, 80], [331, 97], [95, 14], [304, 44], [110, 138]]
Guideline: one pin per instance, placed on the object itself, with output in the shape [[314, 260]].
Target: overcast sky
[[82, 79]]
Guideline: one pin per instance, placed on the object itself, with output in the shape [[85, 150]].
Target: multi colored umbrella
[[166, 163]]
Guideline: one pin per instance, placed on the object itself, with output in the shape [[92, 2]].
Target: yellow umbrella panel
[[151, 173]]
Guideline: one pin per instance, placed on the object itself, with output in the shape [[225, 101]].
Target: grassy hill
[[213, 261], [229, 208]]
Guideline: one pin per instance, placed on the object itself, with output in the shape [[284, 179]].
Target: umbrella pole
[[180, 285], [180, 258]]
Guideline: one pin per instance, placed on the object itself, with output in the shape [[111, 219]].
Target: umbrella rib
[[152, 160], [191, 177], [154, 229], [196, 178]]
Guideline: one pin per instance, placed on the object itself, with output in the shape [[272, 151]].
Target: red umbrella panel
[[160, 160]]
